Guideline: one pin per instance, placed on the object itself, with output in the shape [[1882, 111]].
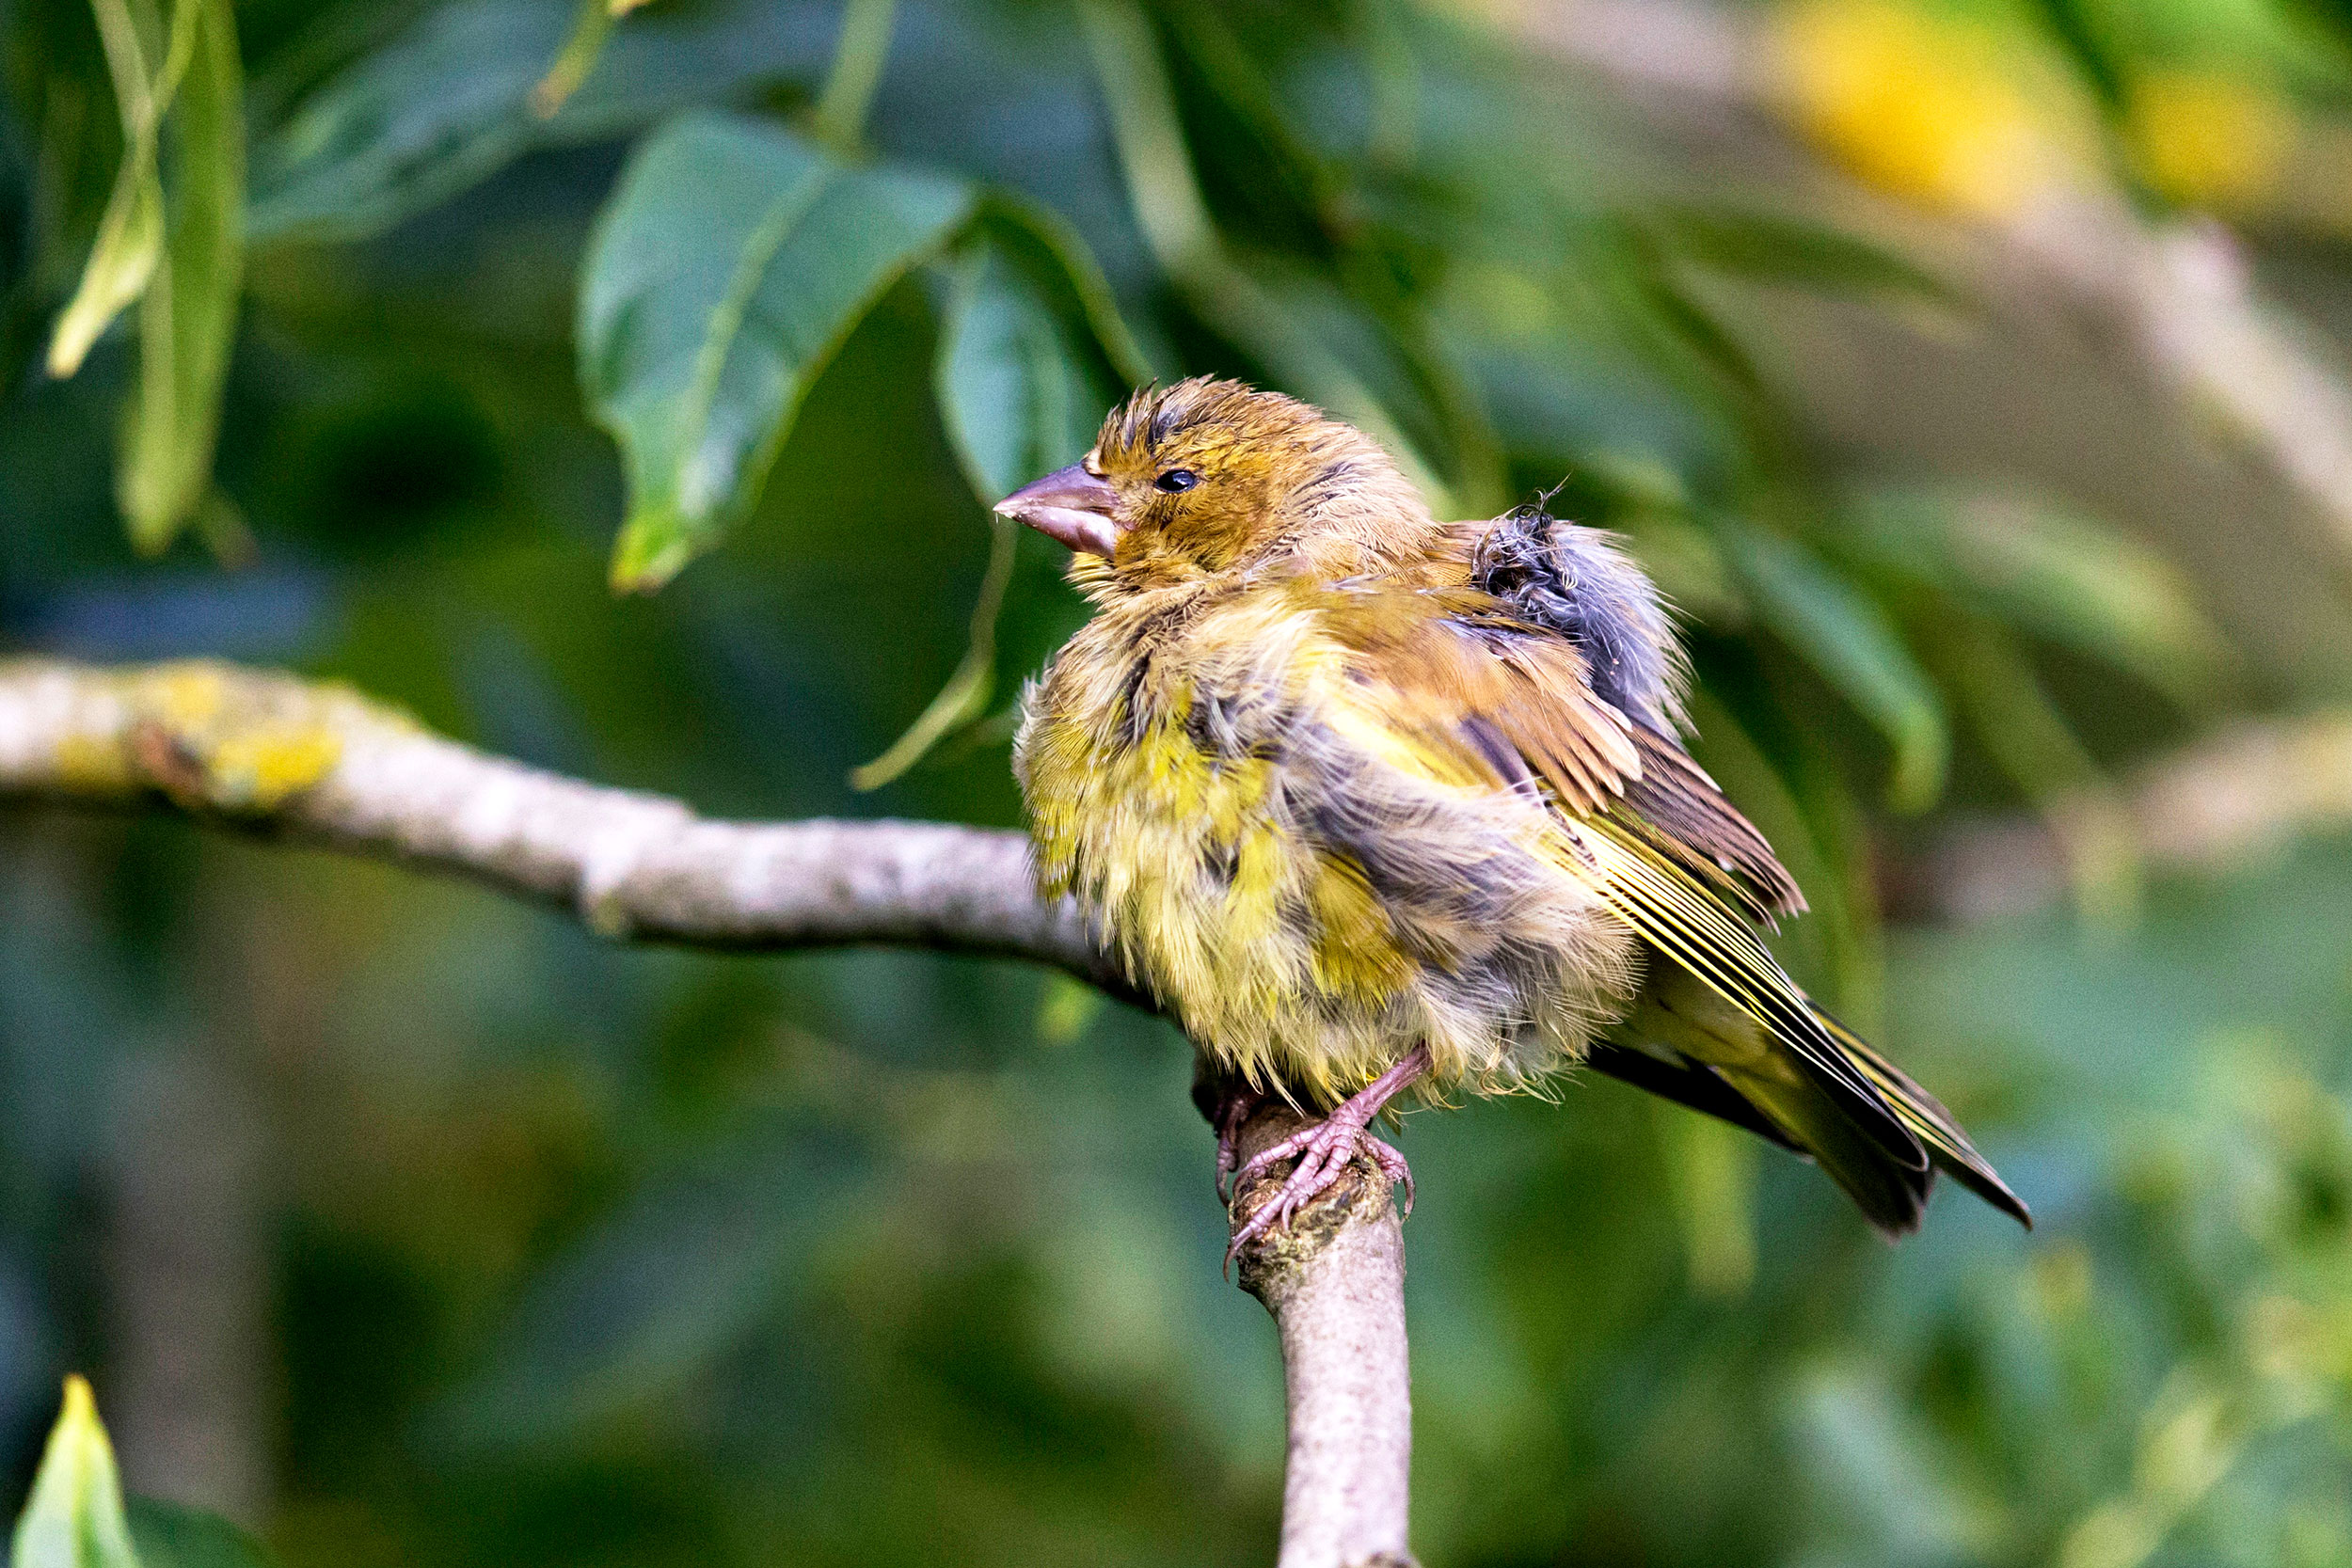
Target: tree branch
[[318, 763], [1335, 1282], [2237, 796], [272, 754]]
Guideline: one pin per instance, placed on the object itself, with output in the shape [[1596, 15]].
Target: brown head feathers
[[1213, 477]]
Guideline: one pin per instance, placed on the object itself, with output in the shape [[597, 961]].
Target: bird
[[1375, 805]]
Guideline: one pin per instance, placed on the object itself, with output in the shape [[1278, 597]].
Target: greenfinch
[[1374, 803]]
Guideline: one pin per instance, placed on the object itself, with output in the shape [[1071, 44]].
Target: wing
[[1504, 702], [1689, 926], [1722, 1027], [1682, 812], [1460, 677], [1577, 584]]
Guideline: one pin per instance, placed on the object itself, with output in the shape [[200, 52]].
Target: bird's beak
[[1068, 504]]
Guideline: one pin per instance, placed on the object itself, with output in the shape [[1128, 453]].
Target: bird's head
[[1208, 477]]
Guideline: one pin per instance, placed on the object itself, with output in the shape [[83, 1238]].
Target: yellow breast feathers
[[1274, 806]]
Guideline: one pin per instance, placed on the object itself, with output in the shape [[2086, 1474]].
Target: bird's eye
[[1177, 480]]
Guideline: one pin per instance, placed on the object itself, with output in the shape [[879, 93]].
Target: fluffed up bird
[[1374, 803]]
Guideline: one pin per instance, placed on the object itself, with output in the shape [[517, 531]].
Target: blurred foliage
[[1986, 105], [579, 1255]]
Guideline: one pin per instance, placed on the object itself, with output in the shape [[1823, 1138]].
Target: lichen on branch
[[319, 762]]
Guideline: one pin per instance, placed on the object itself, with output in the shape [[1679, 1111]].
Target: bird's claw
[[1235, 1106], [1323, 1152]]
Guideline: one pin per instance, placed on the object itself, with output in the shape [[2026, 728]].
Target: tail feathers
[[1827, 1094], [1673, 1076], [1935, 1127], [1892, 1192]]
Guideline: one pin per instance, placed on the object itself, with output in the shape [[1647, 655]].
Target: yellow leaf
[[2203, 137], [1938, 109], [75, 1518], [130, 238]]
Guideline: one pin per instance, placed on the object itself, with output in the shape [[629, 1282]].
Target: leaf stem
[[2030, 740], [577, 58], [857, 67], [967, 691], [1149, 136]]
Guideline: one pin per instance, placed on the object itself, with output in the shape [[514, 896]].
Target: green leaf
[[179, 255], [75, 1517], [1023, 386], [727, 268], [409, 124], [449, 103], [188, 315], [1059, 255], [145, 72], [1848, 640], [169, 1536]]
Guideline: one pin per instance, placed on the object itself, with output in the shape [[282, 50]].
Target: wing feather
[[1677, 915], [1938, 1128], [1688, 818], [1504, 698]]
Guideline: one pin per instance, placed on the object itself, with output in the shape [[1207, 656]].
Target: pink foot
[[1234, 1107], [1323, 1152]]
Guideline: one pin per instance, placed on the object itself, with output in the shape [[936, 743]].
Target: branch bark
[[271, 755], [2239, 796], [1335, 1282]]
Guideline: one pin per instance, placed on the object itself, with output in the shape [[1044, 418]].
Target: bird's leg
[[1324, 1149], [1225, 1102], [1234, 1105]]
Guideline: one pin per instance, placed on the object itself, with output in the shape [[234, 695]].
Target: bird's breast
[[1298, 882]]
